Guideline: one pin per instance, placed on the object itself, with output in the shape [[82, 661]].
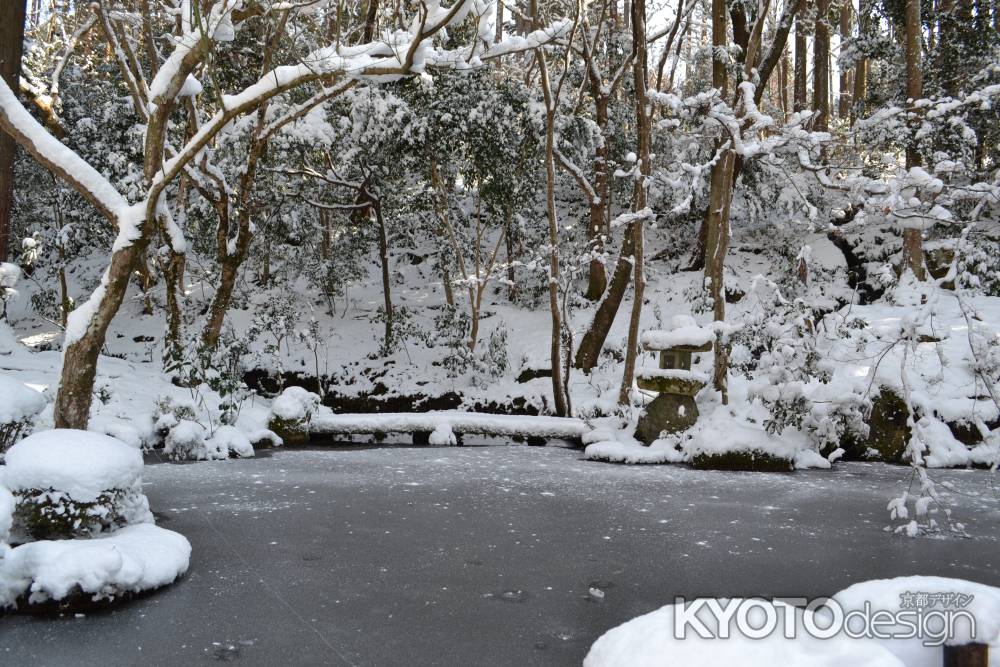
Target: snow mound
[[648, 641], [295, 404], [660, 451], [18, 402], [652, 639], [442, 435], [133, 559], [888, 594], [230, 439], [81, 464], [119, 429]]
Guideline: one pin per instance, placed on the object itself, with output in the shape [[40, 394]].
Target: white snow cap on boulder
[[82, 464], [295, 403], [17, 401]]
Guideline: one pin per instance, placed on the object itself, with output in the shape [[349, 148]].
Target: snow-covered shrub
[[442, 436], [9, 275], [230, 441], [175, 425], [186, 441], [70, 483], [7, 505], [18, 407], [290, 414]]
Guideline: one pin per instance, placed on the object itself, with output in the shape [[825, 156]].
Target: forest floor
[[507, 555]]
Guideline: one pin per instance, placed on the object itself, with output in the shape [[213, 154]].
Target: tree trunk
[[844, 102], [11, 43], [383, 256], [717, 222], [821, 66], [913, 251], [555, 360], [861, 67], [639, 204], [592, 343], [720, 197], [371, 18], [598, 280], [801, 66], [88, 326]]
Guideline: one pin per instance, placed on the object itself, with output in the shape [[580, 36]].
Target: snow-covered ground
[[488, 555]]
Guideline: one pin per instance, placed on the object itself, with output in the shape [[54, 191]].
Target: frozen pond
[[486, 555]]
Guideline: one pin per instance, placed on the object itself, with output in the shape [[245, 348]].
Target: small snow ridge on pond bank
[[134, 559], [696, 634]]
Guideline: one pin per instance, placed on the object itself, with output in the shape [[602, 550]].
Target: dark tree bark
[[640, 77], [913, 251], [801, 66], [11, 42], [844, 102], [821, 65]]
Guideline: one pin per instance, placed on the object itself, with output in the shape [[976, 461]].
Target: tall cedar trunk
[[821, 65], [844, 102], [598, 280], [11, 41], [913, 251], [371, 18], [639, 72], [799, 101], [861, 67]]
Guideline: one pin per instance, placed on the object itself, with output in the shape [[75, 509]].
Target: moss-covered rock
[[747, 460], [888, 433], [291, 431]]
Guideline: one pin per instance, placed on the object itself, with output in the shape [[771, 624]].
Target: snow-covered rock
[[134, 559], [295, 403], [290, 414]]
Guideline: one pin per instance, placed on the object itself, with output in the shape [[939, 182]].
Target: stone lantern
[[674, 409]]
